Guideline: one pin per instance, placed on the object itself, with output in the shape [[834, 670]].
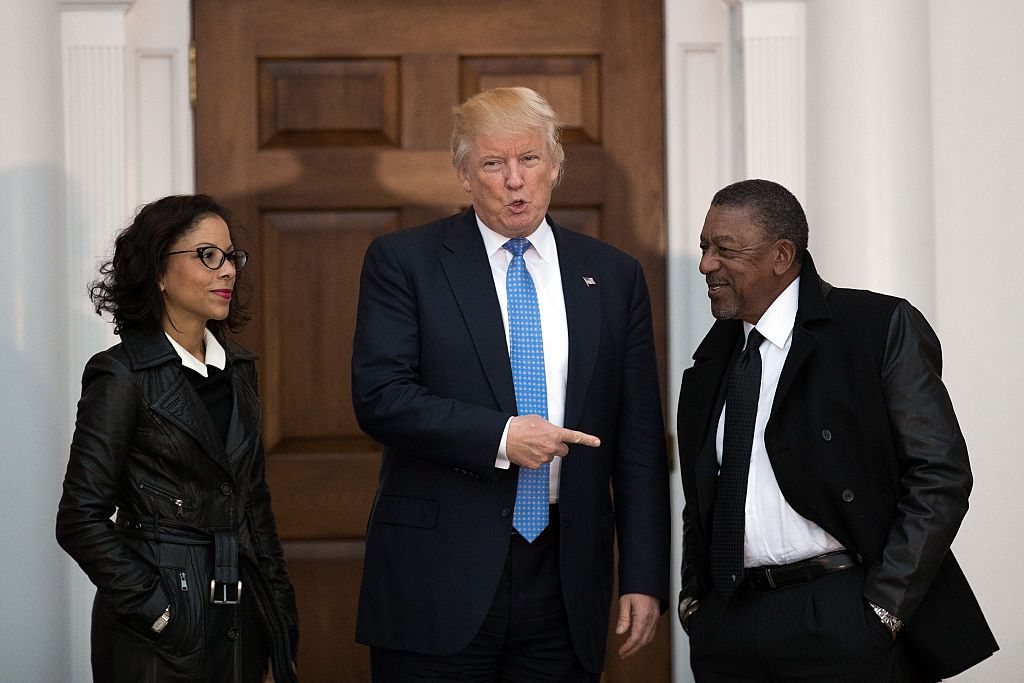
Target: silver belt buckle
[[223, 598]]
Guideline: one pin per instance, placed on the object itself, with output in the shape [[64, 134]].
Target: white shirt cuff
[[502, 462]]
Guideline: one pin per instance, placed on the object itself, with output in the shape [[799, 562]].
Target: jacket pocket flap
[[407, 511]]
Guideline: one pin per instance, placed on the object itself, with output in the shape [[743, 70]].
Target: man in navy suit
[[459, 584]]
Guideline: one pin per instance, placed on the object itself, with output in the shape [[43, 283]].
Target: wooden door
[[323, 124]]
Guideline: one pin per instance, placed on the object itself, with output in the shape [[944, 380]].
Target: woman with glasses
[[190, 576]]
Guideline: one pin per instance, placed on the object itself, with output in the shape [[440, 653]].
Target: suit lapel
[[812, 307], [181, 406], [583, 319], [244, 415], [705, 381], [468, 271]]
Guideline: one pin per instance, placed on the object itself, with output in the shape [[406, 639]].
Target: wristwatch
[[687, 606], [893, 622], [162, 620]]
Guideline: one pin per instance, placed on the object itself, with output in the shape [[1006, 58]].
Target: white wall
[[977, 69], [32, 361]]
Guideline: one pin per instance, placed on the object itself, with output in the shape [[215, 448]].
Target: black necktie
[[731, 492]]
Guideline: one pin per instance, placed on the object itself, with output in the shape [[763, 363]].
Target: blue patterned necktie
[[526, 351]]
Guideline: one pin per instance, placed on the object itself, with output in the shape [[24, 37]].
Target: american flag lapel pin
[[589, 281]]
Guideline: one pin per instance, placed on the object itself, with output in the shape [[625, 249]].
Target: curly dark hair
[[772, 207], [127, 288]]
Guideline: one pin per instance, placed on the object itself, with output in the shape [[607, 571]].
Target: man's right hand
[[533, 441]]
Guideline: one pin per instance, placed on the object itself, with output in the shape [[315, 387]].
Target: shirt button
[[506, 512], [232, 633], [826, 434], [225, 489], [848, 495]]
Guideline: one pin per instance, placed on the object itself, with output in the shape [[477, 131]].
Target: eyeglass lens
[[213, 257]]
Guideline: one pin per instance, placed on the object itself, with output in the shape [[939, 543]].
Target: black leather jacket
[[145, 446], [863, 441]]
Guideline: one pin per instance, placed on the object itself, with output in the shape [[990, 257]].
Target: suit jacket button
[[848, 495], [506, 512], [826, 434], [225, 489]]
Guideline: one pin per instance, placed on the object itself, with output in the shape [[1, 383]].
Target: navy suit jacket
[[432, 382]]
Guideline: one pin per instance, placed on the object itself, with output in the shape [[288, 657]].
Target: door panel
[[323, 124]]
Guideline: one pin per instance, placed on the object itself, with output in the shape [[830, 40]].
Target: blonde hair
[[505, 112]]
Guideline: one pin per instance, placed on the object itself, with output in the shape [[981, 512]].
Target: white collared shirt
[[773, 533], [542, 264], [215, 355]]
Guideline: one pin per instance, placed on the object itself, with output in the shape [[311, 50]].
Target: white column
[[773, 143], [93, 55], [93, 41], [159, 146], [869, 161], [33, 344]]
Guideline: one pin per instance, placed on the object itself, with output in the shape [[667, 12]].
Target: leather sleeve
[[271, 555], [935, 474], [390, 403], [104, 429], [690, 586], [640, 470], [268, 544]]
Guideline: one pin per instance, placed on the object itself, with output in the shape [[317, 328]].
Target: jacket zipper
[[183, 581], [181, 503]]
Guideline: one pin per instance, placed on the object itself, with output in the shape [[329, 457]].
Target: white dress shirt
[[542, 264], [215, 355], [773, 532]]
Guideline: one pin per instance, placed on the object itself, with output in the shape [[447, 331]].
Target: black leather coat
[[146, 447], [863, 441]]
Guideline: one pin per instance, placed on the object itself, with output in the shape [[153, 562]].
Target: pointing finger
[[571, 436]]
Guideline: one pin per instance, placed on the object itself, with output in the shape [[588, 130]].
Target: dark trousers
[[822, 630], [524, 637]]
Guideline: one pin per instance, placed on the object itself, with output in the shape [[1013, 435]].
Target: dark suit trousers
[[822, 630], [524, 637]]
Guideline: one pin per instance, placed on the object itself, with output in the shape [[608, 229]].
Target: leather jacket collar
[[150, 349]]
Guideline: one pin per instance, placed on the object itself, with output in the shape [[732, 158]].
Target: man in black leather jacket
[[854, 476]]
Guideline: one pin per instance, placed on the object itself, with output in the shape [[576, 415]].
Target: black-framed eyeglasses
[[214, 257]]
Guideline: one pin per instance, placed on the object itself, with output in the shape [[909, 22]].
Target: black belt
[[778, 576], [226, 585]]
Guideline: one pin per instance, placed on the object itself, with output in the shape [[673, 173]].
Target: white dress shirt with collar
[[215, 355], [774, 533], [542, 264]]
